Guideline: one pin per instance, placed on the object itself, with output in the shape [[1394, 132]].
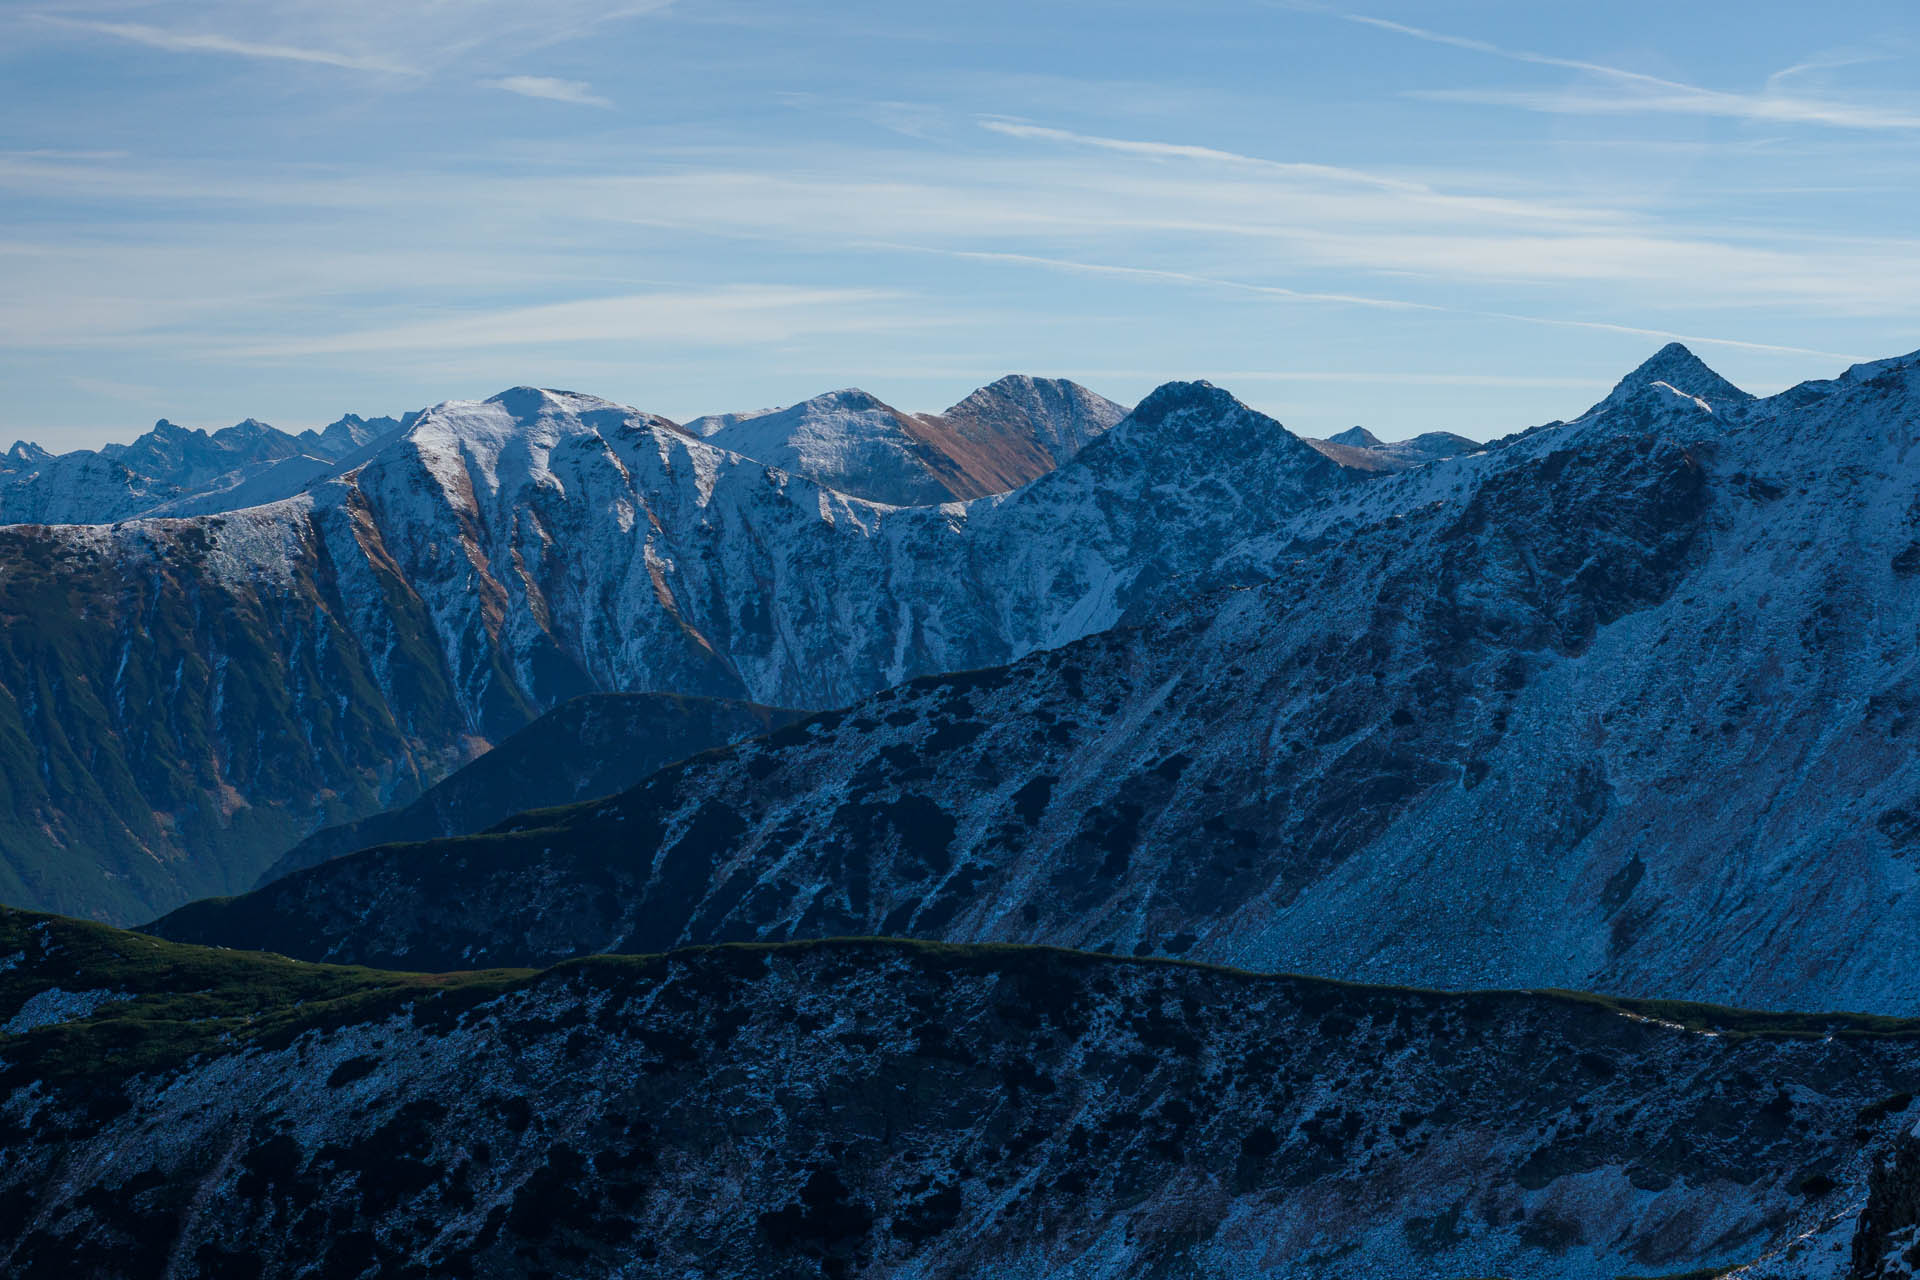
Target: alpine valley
[[839, 841]]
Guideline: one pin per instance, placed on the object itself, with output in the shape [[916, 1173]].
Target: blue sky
[[1459, 214]]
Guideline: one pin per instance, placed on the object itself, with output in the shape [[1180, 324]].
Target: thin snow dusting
[[54, 1006]]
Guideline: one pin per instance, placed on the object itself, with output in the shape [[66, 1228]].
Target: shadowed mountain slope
[[892, 1109], [594, 745]]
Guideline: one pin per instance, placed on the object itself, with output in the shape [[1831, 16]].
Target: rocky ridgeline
[[887, 1108]]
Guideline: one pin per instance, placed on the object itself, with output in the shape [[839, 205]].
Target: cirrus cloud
[[578, 92]]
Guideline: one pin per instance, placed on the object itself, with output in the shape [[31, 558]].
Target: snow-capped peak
[[527, 403]]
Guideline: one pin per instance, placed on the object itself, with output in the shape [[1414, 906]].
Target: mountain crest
[[1356, 438], [531, 402], [1199, 396]]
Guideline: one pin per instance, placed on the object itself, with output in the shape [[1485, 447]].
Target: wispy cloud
[[578, 92], [740, 315], [1292, 233], [1184, 151], [59, 155], [1639, 92], [187, 42], [1389, 304], [411, 39], [1336, 175]]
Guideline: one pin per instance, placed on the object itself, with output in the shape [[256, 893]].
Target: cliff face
[[891, 1109], [1886, 1245]]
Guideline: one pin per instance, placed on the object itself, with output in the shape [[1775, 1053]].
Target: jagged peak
[[26, 453], [1356, 438]]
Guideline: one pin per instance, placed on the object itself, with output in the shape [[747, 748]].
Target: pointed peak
[[26, 453], [1356, 438], [1676, 369]]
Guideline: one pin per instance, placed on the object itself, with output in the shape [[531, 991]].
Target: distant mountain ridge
[[172, 471], [1620, 703], [1360, 448]]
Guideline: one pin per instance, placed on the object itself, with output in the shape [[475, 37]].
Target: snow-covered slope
[[187, 699], [1625, 703], [998, 438], [848, 440]]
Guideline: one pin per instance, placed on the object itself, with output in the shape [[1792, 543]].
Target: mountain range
[[174, 471], [1624, 703], [189, 698], [837, 842]]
